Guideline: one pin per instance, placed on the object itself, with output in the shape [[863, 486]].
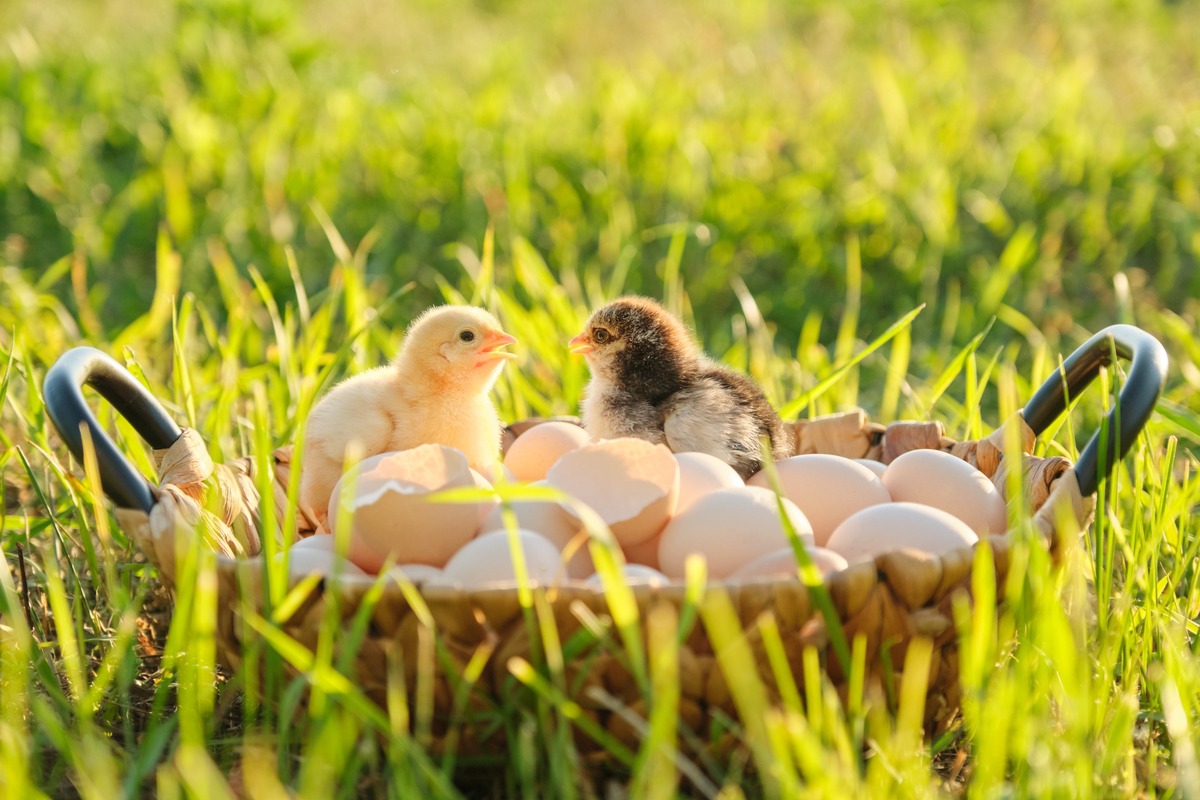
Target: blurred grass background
[[987, 158]]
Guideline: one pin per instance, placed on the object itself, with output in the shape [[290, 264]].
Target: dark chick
[[651, 381]]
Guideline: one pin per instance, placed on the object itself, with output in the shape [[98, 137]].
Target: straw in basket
[[887, 601]]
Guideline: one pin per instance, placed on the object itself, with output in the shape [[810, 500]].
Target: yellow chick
[[435, 392]]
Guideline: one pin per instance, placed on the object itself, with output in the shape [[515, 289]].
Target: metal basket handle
[[1135, 403], [63, 393]]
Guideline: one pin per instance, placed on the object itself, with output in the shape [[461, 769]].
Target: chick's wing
[[707, 418]]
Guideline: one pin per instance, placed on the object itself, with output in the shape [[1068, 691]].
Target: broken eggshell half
[[632, 484], [394, 515]]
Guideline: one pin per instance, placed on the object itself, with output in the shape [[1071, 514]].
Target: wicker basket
[[888, 601]]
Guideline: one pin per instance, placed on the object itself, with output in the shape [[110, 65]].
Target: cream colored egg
[[318, 541], [307, 560], [878, 467], [828, 489], [644, 553], [892, 526], [632, 484], [699, 474], [393, 515], [496, 474], [729, 528], [938, 479], [635, 574], [551, 520], [488, 559], [531, 454], [783, 564]]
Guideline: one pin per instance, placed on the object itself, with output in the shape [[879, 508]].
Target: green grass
[[243, 202]]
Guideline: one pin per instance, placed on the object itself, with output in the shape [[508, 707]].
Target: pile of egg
[[661, 507]]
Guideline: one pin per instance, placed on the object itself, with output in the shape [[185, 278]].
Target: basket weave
[[888, 601]]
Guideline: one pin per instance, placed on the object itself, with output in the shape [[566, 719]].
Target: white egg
[[318, 541], [488, 559], [307, 560], [729, 528], [635, 574], [828, 489], [699, 474], [940, 480], [891, 526], [549, 519], [415, 573]]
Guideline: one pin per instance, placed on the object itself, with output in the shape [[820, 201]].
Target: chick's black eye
[[600, 336], [466, 336]]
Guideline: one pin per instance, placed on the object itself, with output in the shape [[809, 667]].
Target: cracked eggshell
[[699, 474], [549, 519], [730, 528], [828, 489], [783, 564], [940, 480], [632, 484], [488, 559], [892, 526], [393, 515], [531, 454]]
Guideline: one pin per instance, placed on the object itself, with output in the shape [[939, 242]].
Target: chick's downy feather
[[651, 381], [435, 392]]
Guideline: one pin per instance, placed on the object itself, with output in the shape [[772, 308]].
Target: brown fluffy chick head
[[455, 346], [639, 346]]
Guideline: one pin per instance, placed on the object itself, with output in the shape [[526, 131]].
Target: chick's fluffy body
[[435, 392], [651, 381]]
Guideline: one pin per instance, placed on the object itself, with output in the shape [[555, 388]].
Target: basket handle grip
[[1135, 403], [63, 393]]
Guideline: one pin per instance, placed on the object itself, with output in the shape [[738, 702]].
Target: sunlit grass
[[914, 209], [1083, 679]]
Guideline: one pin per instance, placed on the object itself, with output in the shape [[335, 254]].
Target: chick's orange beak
[[492, 343], [580, 345]]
